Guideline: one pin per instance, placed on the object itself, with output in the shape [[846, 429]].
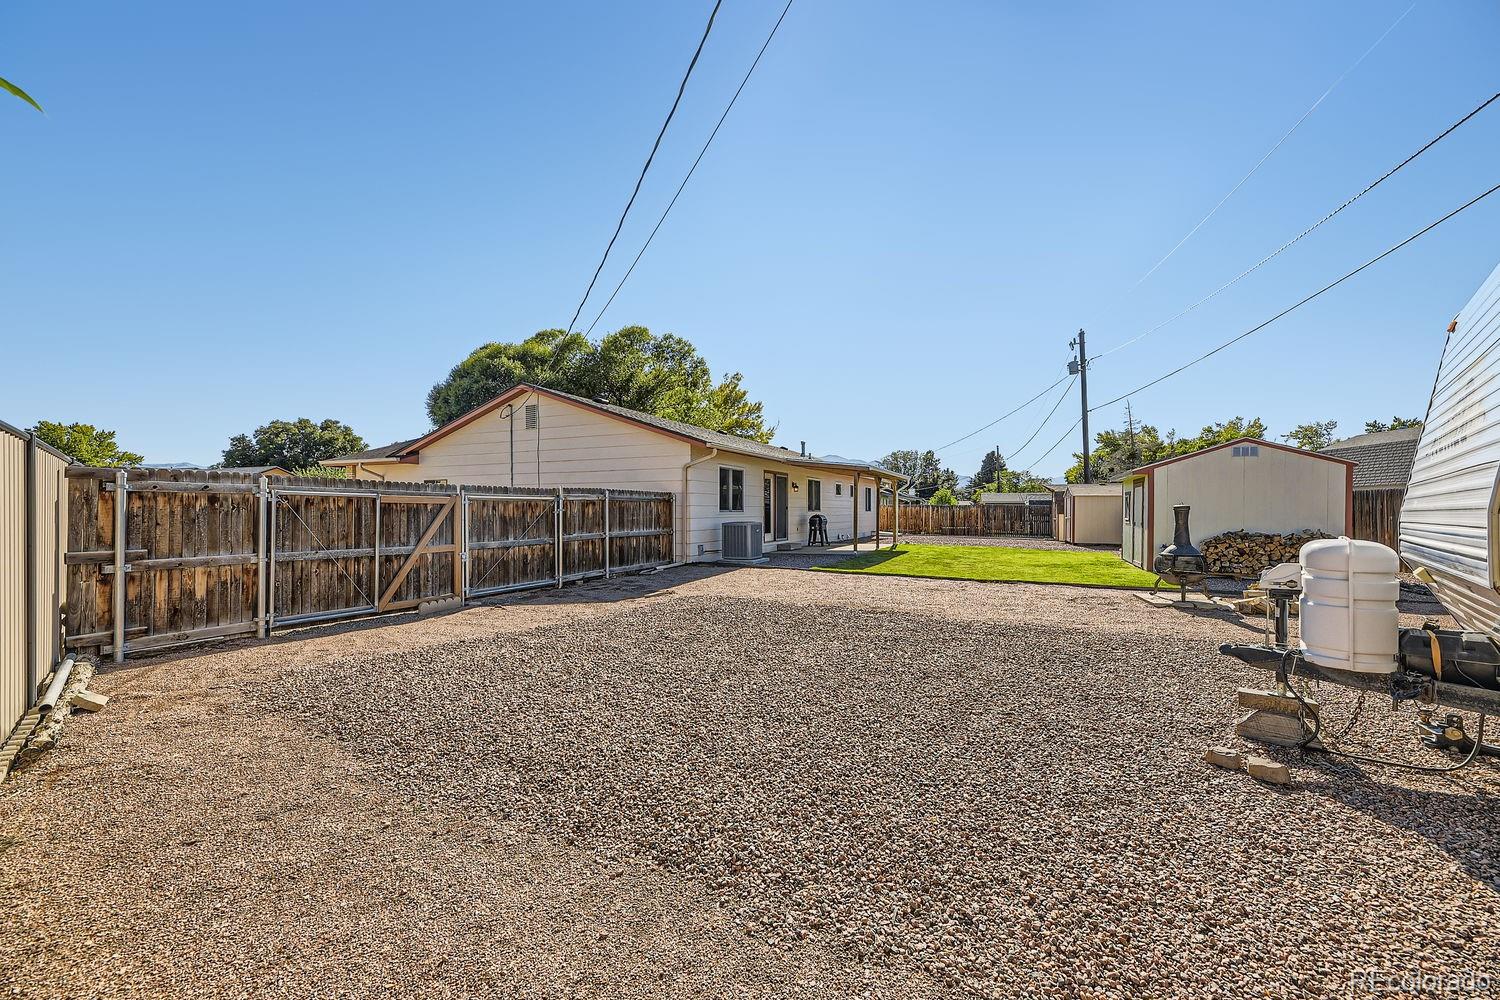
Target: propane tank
[[1348, 605]]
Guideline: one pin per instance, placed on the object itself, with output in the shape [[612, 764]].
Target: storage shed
[[1091, 514], [1241, 485]]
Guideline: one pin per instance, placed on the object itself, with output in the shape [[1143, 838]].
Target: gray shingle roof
[[1384, 458], [375, 454]]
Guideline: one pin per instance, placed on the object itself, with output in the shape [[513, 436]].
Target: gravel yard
[[750, 783]]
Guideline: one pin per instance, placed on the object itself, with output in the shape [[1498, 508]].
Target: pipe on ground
[[54, 691]]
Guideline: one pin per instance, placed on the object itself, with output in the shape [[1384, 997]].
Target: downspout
[[509, 415], [683, 533]]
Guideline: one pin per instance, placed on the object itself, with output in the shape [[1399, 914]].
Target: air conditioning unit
[[740, 542]]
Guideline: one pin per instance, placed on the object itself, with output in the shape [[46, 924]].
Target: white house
[[536, 437]]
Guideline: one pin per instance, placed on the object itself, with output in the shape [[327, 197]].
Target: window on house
[[731, 489], [814, 494], [533, 416], [869, 493], [1246, 451], [1128, 498], [436, 482], [838, 489]]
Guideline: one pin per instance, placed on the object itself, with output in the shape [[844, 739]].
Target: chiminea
[[1181, 562]]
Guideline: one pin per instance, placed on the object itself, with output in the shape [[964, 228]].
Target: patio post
[[855, 498]]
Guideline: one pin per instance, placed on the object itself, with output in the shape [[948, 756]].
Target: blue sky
[[233, 213]]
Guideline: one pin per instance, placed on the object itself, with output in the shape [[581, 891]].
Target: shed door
[[1138, 524]]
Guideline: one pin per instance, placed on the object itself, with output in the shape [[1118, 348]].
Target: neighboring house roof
[[662, 425], [388, 453], [1384, 458], [1013, 497], [1111, 489], [1142, 470], [257, 470]]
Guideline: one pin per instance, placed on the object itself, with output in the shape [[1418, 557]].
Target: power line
[[1277, 145], [1065, 435], [729, 108], [1045, 420], [1288, 244], [1003, 416], [1297, 305], [654, 147]]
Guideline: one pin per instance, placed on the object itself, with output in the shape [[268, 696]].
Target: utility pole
[[1080, 367], [1130, 433]]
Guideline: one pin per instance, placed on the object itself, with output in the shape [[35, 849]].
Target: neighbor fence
[[33, 520], [994, 519], [1377, 515], [159, 558]]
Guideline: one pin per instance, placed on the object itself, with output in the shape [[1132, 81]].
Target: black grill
[[1181, 562]]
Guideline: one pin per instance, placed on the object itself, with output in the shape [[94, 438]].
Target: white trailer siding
[[1449, 516]]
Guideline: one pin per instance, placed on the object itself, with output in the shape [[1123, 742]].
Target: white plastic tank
[[1348, 605]]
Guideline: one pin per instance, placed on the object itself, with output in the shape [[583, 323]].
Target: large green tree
[[1313, 436], [922, 468], [86, 444], [1396, 424], [661, 374], [292, 444], [1011, 481], [1119, 450], [990, 467]]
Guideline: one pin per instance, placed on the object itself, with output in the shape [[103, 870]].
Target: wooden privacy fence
[[1377, 515], [205, 555], [981, 519], [33, 521]]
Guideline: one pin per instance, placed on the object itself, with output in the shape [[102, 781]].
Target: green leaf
[[7, 85]]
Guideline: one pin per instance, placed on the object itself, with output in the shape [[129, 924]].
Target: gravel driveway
[[750, 783]]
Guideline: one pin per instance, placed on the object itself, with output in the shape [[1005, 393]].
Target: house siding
[[839, 509], [577, 446], [1277, 491]]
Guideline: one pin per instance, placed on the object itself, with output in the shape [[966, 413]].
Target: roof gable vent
[[533, 416]]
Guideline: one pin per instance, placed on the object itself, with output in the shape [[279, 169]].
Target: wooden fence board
[[193, 563], [979, 519], [1377, 515]]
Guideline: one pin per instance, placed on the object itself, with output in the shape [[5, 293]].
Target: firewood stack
[[1247, 553]]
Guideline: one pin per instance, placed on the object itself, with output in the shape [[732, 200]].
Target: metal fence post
[[262, 493], [122, 499], [463, 546], [375, 563], [606, 534], [558, 535], [271, 566]]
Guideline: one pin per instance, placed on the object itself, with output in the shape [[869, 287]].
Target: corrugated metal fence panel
[[14, 669], [1447, 515], [49, 512]]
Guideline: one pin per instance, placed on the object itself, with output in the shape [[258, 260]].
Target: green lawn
[[1079, 567]]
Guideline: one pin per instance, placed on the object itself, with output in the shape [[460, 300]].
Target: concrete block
[[439, 605], [1267, 770], [1266, 700], [1224, 757], [1273, 729], [89, 701]]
